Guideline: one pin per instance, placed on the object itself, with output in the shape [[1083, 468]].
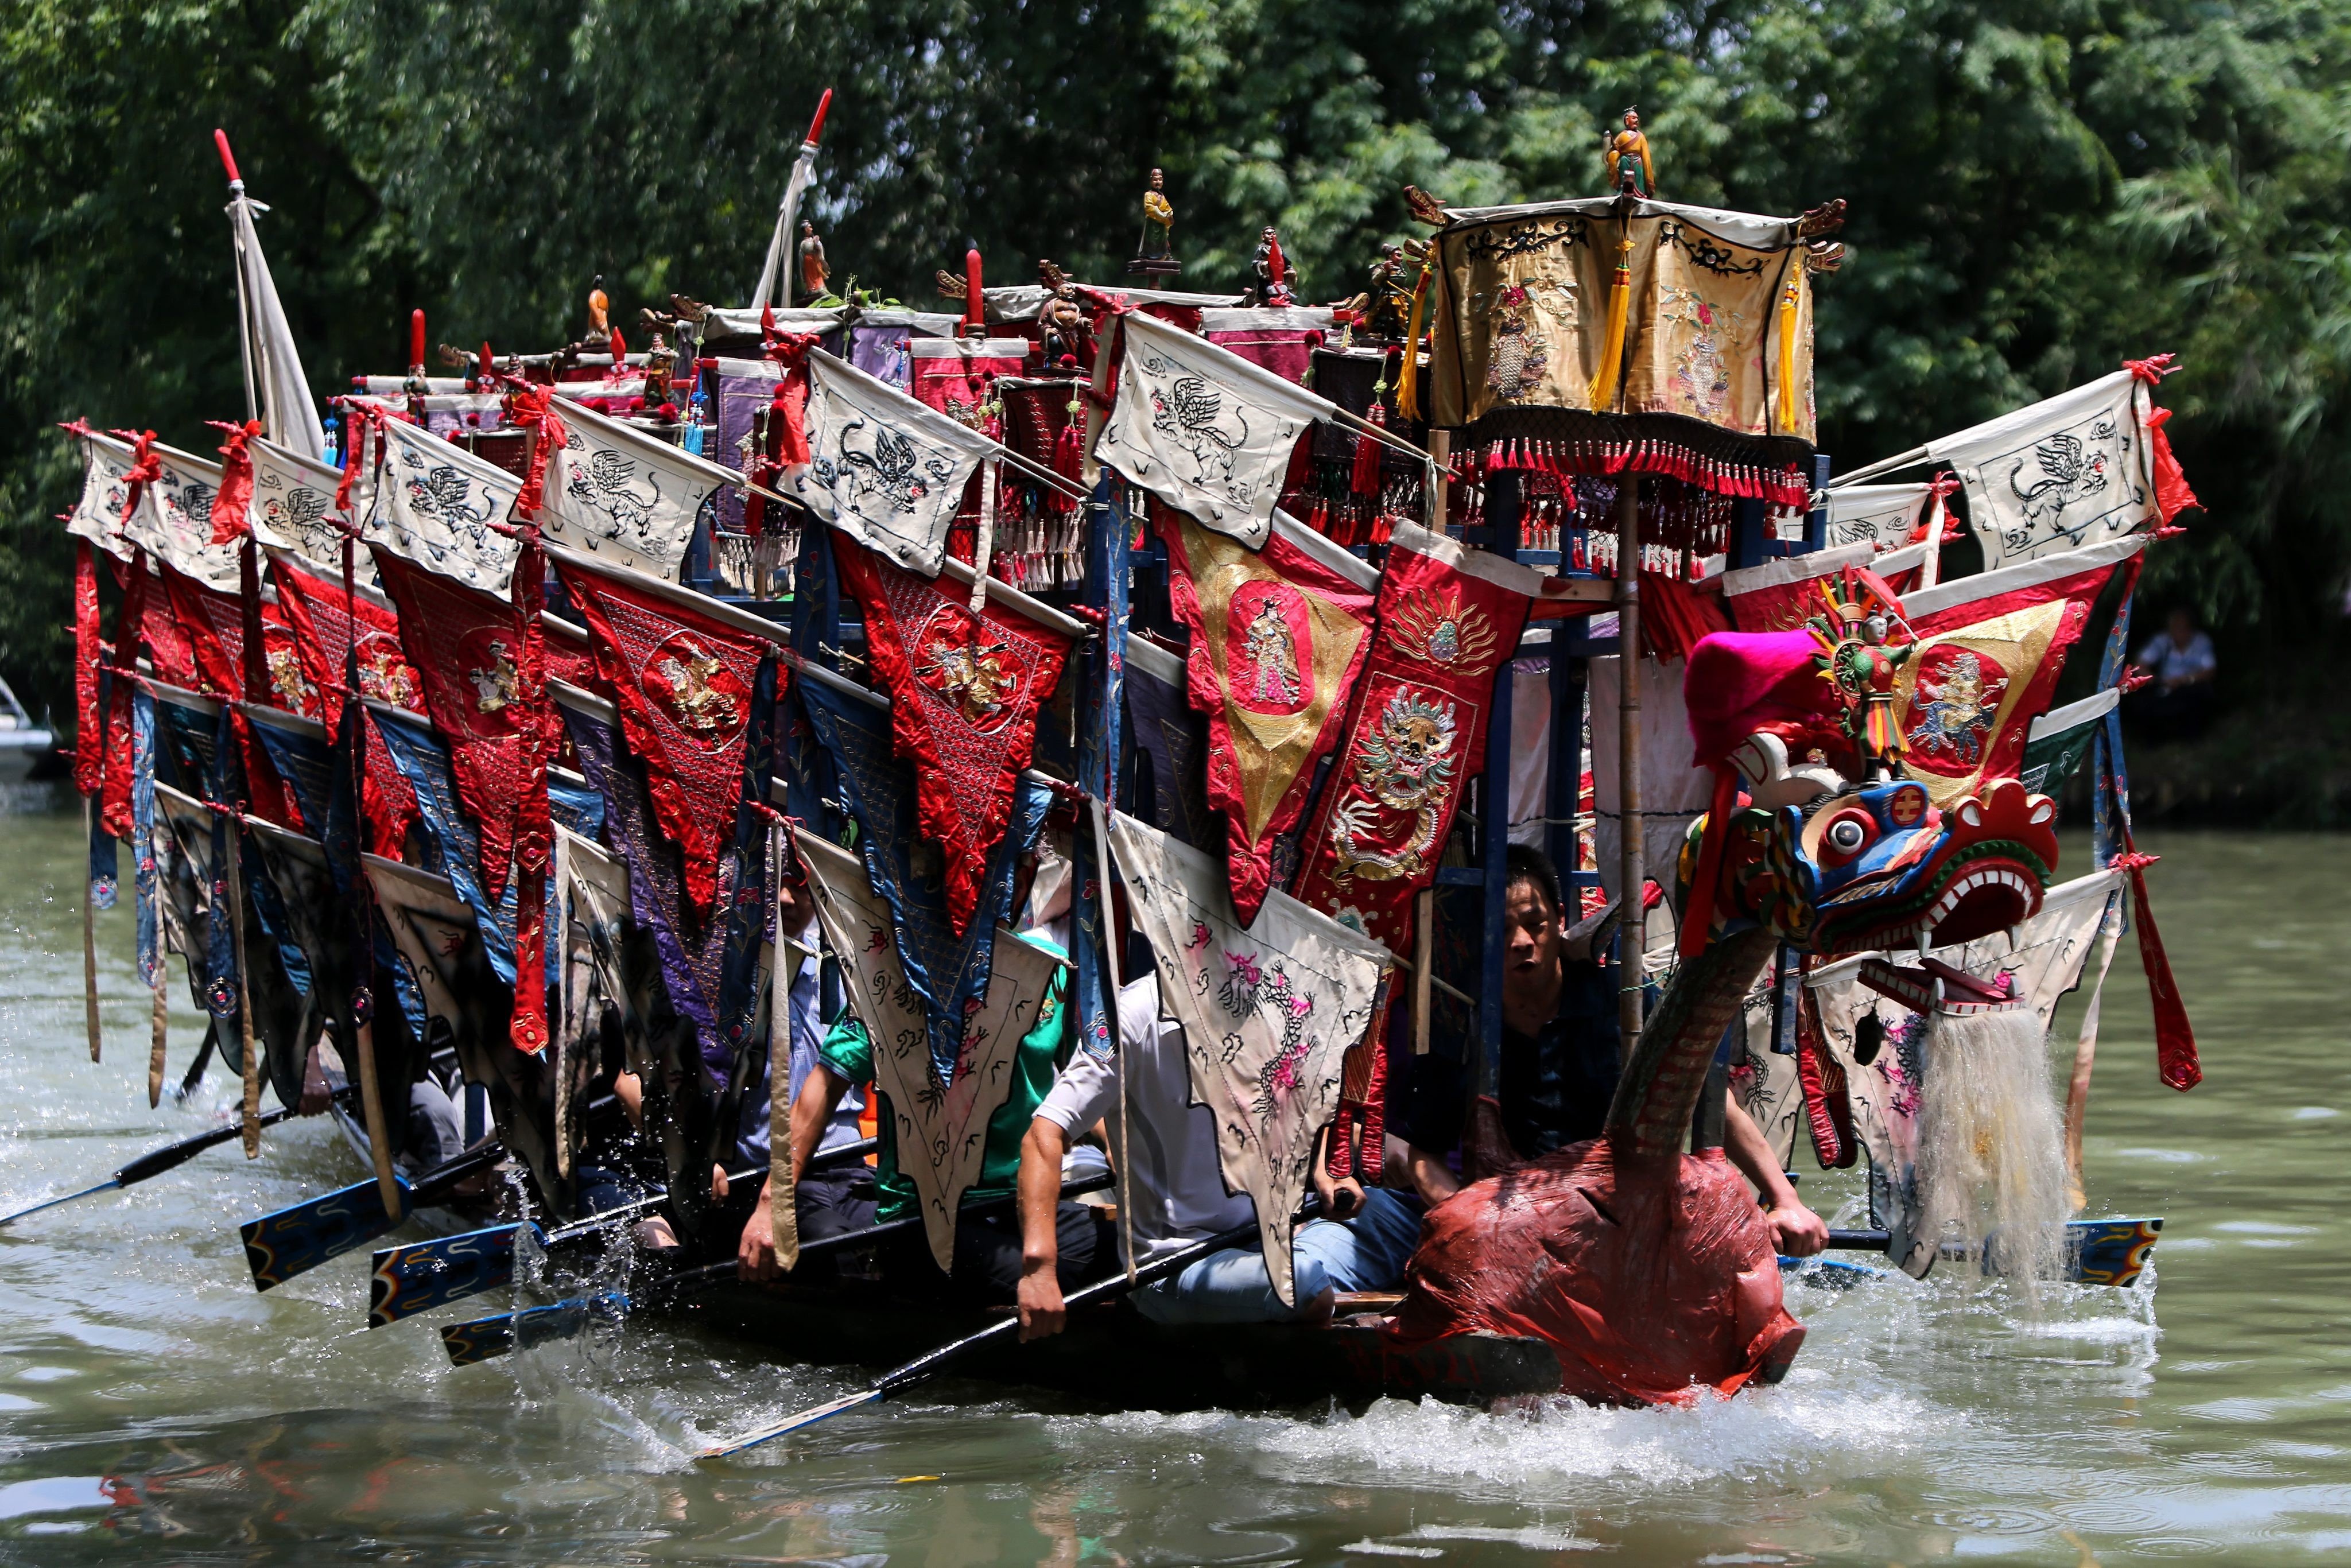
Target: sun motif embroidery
[[1515, 367], [1439, 629]]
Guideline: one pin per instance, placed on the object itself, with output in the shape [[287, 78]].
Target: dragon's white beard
[[1991, 1150]]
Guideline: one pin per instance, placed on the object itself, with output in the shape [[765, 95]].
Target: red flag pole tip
[[220, 140], [816, 126], [416, 336], [974, 311]]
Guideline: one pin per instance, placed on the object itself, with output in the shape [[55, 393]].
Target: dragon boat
[[464, 738]]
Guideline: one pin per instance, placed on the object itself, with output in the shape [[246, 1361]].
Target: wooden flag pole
[[1632, 943]]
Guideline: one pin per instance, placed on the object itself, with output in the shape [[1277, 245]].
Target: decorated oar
[[481, 1338], [2097, 1251], [417, 1276], [930, 1365], [154, 1163]]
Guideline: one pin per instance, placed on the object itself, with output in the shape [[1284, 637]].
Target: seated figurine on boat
[[1178, 1192], [987, 1241], [829, 1202], [1558, 1070]]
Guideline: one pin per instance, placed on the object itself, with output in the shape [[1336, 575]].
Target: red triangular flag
[[324, 628], [685, 685], [965, 690]]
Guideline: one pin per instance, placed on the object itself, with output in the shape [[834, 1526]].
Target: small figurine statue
[[813, 270], [599, 311], [1626, 153], [1061, 320], [1157, 250], [660, 360], [1273, 273], [1859, 662], [1388, 306]]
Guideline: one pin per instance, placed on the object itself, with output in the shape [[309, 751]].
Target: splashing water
[[1991, 1158]]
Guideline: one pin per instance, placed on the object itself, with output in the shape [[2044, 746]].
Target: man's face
[[1532, 937], [2183, 627]]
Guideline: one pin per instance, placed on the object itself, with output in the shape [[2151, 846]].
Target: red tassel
[[2175, 1038], [1365, 478], [236, 496], [2172, 495], [89, 744], [1697, 922], [534, 831], [255, 673]]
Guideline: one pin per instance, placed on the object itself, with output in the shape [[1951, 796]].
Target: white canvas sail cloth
[[436, 503], [884, 468], [941, 1129], [1880, 516], [1269, 1013], [616, 493], [784, 246], [294, 508], [289, 415], [174, 520], [1203, 429], [2072, 471]]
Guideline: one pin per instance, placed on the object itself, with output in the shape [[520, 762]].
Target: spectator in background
[[2176, 701]]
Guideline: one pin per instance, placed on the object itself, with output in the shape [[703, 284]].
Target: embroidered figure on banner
[[703, 697], [193, 502], [975, 677], [2067, 471], [1515, 365], [605, 488], [894, 472], [1956, 713], [1701, 373], [1273, 657], [443, 493], [384, 675], [1189, 413], [494, 683], [1405, 764], [297, 513], [286, 680]]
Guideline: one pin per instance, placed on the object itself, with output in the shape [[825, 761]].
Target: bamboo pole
[[88, 926], [249, 1058], [1632, 876]]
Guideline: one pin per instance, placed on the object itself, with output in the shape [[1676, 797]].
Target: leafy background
[[2038, 191]]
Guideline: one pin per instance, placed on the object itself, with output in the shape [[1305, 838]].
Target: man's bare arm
[[1042, 1312], [1796, 1229]]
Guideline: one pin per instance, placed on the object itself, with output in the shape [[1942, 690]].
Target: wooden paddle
[[155, 1161], [929, 1366], [481, 1338], [417, 1276], [2097, 1251]]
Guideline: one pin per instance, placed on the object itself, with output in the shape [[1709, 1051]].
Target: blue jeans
[[1366, 1253]]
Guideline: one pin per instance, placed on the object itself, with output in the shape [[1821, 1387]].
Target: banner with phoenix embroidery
[[293, 508], [432, 502], [884, 468], [948, 967], [1449, 620], [940, 1121], [1278, 636], [965, 687], [2075, 470], [1269, 1010], [619, 493]]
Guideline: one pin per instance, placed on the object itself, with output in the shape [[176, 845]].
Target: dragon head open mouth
[[1877, 866]]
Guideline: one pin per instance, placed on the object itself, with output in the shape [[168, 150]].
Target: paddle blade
[[2110, 1251], [418, 1275], [482, 1338], [298, 1240], [808, 1418], [108, 1185]]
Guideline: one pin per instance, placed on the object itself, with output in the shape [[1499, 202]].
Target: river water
[[151, 1403]]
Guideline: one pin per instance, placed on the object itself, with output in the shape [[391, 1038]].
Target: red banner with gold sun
[[685, 685], [1416, 733], [327, 628], [964, 694]]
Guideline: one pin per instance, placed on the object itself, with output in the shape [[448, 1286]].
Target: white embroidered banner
[[2069, 472], [941, 1129], [174, 520], [436, 503], [1205, 430], [105, 486], [1880, 516], [883, 466], [615, 492], [1268, 1014], [294, 508]]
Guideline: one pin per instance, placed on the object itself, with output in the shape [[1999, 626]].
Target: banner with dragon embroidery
[[684, 684], [2073, 471], [1268, 1011], [173, 520], [1278, 636], [1983, 669], [433, 502], [1415, 736], [940, 1121], [619, 493], [328, 630], [947, 967], [106, 465], [1205, 430], [965, 689], [884, 468], [293, 508]]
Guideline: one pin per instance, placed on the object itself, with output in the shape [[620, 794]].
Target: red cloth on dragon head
[[1740, 682]]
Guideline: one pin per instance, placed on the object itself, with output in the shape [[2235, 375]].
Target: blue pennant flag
[[950, 972], [144, 884]]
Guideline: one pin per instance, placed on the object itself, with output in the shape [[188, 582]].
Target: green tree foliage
[[2038, 191]]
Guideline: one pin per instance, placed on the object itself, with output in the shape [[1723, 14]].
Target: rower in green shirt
[[988, 1245]]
